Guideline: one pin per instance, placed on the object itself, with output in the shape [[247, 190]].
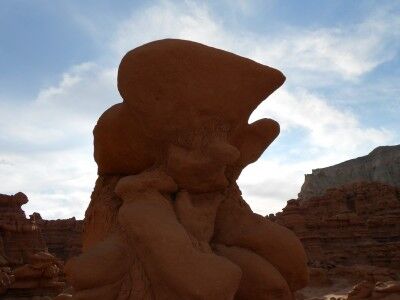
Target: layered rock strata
[[63, 237], [19, 237], [39, 276], [26, 268], [381, 165], [354, 224]]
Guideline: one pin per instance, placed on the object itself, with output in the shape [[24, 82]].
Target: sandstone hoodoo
[[166, 218]]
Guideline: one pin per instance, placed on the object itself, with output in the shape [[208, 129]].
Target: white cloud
[[327, 127], [50, 147], [190, 21], [48, 143], [328, 136], [340, 53], [57, 183]]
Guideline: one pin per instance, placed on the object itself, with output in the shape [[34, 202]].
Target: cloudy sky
[[58, 62]]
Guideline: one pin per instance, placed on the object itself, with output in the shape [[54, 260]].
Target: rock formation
[[389, 290], [166, 219], [381, 165], [26, 268], [38, 277], [63, 237], [7, 278], [19, 237], [354, 224]]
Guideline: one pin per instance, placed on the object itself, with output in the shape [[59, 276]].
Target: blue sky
[[59, 61]]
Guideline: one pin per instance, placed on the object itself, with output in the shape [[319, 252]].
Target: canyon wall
[[353, 224], [381, 165], [348, 219], [63, 237]]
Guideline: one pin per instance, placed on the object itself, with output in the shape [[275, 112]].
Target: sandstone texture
[[27, 269], [166, 219], [348, 218], [354, 224], [19, 237], [63, 237], [381, 165], [39, 277]]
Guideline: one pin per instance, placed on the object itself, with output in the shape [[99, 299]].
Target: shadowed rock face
[[63, 237], [166, 218], [353, 224]]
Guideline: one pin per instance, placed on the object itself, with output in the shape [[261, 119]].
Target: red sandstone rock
[[19, 237], [26, 268], [166, 218], [63, 237], [353, 224]]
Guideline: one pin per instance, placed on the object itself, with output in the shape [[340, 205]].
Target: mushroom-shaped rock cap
[[173, 89], [176, 85]]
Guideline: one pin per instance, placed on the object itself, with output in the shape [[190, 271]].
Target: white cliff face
[[381, 165]]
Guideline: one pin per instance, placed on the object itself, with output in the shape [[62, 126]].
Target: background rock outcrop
[[27, 269], [381, 165], [19, 237], [63, 237], [354, 224]]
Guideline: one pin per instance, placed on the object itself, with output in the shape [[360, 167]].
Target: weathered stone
[[63, 237], [166, 218], [27, 269], [19, 237], [354, 224]]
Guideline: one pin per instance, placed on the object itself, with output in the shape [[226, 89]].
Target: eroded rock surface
[[354, 224], [27, 270], [381, 165], [38, 277], [166, 218], [19, 237], [63, 237]]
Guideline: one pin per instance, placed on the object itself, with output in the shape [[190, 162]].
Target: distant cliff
[[349, 213], [353, 224], [381, 165]]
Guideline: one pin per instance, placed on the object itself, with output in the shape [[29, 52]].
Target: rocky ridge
[[348, 219], [354, 224], [381, 165], [351, 235]]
